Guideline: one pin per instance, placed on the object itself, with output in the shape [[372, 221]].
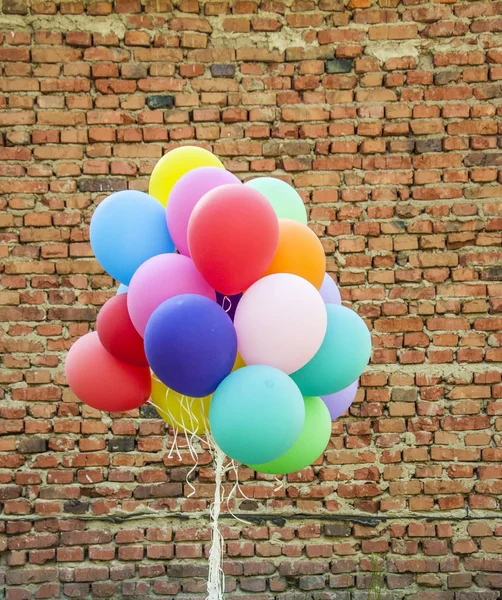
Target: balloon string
[[186, 414], [171, 421], [216, 575], [280, 482], [186, 406], [233, 492], [225, 299]]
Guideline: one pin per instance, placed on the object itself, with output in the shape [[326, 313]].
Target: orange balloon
[[300, 252]]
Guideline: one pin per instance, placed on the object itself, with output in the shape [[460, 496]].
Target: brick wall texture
[[386, 116]]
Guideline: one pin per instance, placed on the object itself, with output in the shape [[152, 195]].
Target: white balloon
[[281, 322]]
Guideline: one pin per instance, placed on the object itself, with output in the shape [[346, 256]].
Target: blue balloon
[[256, 414], [342, 357], [122, 289], [190, 344], [127, 229]]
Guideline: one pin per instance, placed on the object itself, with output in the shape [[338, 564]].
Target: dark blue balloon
[[228, 303], [191, 344]]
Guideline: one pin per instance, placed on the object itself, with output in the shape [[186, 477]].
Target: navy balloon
[[127, 229], [190, 344], [228, 303]]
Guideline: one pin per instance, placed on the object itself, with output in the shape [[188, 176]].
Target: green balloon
[[285, 200], [312, 442], [342, 357]]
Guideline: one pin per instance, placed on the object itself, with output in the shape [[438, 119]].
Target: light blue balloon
[[256, 414], [127, 229], [342, 357], [122, 289]]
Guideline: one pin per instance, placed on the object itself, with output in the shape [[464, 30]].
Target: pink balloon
[[161, 278], [184, 196], [281, 322]]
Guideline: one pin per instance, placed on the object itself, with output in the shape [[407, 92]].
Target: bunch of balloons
[[224, 316]]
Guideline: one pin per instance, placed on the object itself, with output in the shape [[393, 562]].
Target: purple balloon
[[190, 344], [329, 291], [187, 191], [228, 303], [339, 402]]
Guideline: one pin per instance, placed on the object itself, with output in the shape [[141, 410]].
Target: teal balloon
[[310, 444], [256, 414], [122, 289], [128, 228], [285, 200], [342, 357]]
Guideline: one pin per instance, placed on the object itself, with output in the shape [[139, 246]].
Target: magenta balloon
[[329, 291], [339, 402], [184, 196], [161, 278]]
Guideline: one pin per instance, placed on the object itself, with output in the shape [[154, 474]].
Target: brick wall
[[386, 116]]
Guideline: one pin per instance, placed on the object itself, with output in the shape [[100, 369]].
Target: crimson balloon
[[102, 381], [117, 333], [233, 234]]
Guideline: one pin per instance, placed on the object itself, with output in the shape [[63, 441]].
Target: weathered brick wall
[[386, 116]]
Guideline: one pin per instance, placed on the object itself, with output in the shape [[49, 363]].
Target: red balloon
[[117, 333], [102, 381], [233, 234]]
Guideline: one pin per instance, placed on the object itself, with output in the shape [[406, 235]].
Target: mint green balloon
[[342, 357], [256, 414], [312, 442], [285, 200]]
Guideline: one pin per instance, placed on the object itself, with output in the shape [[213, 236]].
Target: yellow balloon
[[173, 165], [190, 415], [239, 363]]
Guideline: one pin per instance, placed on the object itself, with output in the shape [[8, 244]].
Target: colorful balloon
[[311, 443], [102, 381], [257, 414], [189, 415], [117, 333], [329, 291], [173, 165], [281, 322], [239, 363], [339, 402], [232, 235], [122, 289], [185, 194], [341, 359], [299, 252], [160, 278], [190, 344], [127, 229], [228, 303], [285, 200]]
